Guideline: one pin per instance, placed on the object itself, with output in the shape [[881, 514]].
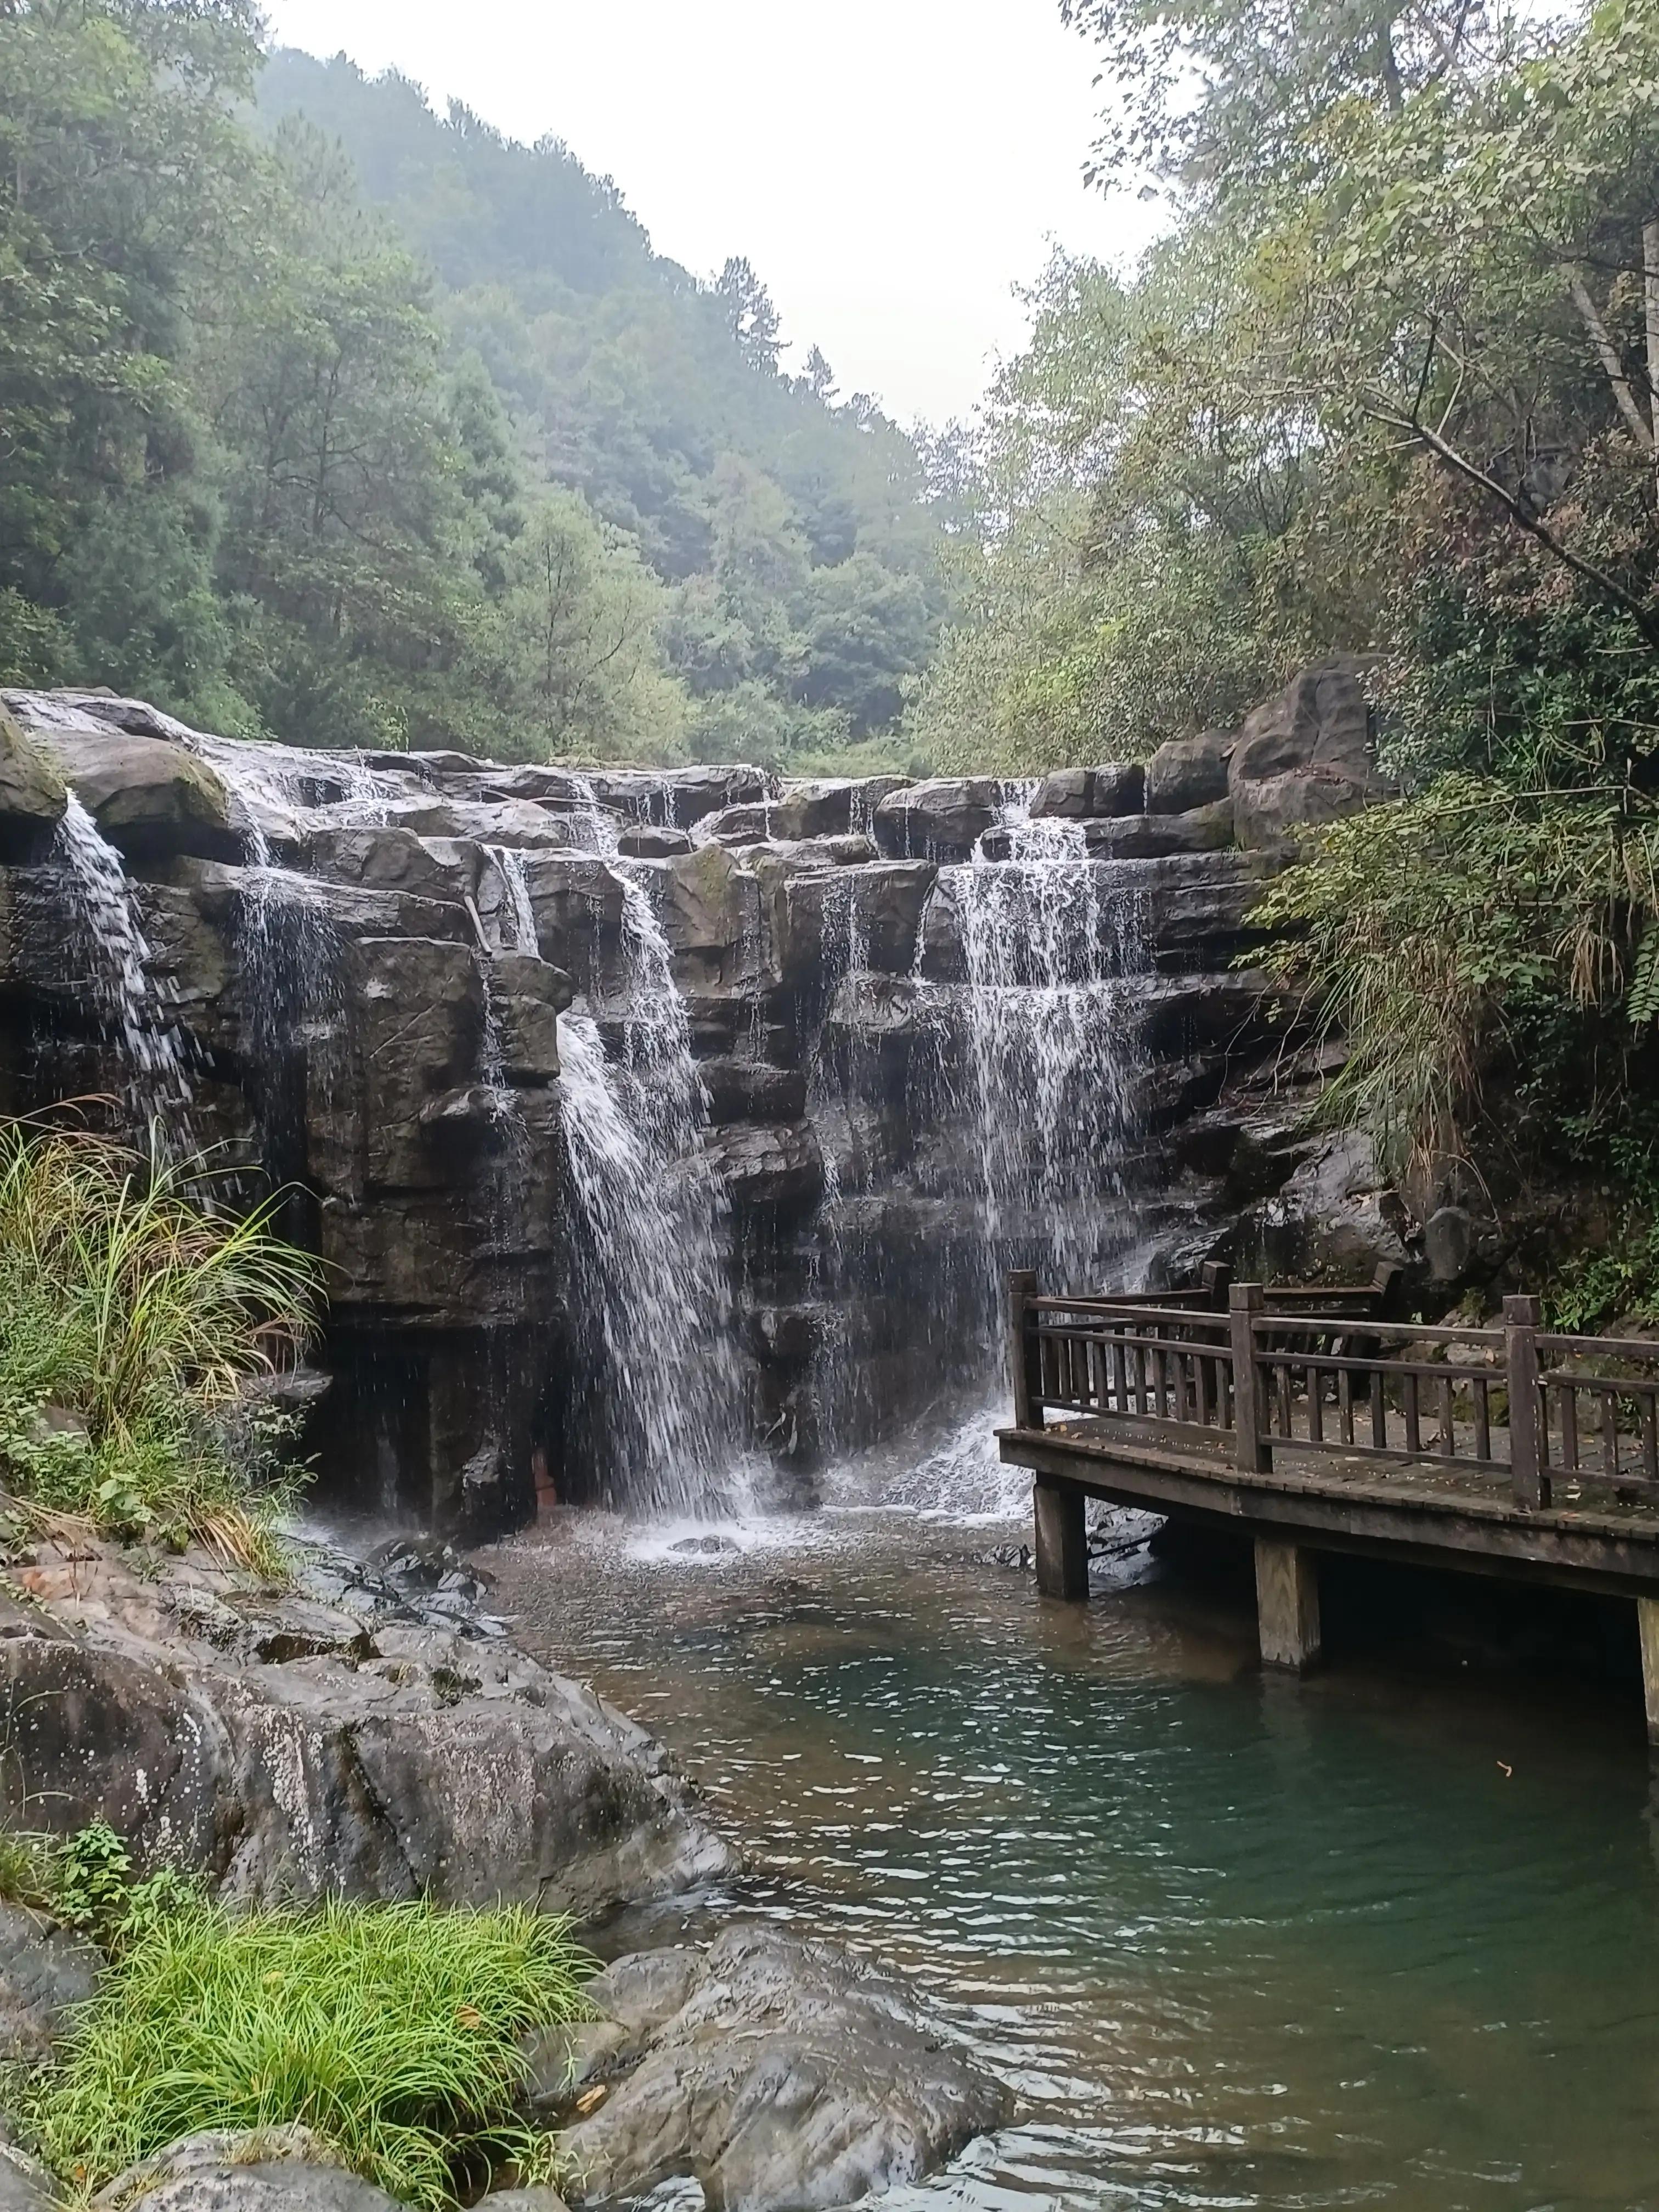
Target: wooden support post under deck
[[1647, 1622], [1062, 1540], [1287, 1604]]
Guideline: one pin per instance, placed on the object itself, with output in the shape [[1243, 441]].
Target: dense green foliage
[[391, 2031], [134, 1320], [331, 418], [1441, 930], [1384, 385], [1389, 384]]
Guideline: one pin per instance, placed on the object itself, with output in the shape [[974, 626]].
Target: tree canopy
[[330, 416]]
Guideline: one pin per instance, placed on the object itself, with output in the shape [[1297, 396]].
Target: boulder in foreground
[[779, 2073]]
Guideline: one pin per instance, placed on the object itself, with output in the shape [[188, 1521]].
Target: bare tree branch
[[1516, 508]]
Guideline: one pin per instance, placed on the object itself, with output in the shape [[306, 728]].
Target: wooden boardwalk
[[1318, 1424]]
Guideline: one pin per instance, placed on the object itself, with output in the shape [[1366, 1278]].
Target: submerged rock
[[778, 2074]]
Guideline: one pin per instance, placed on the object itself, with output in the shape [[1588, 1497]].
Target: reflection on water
[[1238, 1941]]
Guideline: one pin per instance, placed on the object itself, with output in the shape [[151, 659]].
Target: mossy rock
[[32, 794], [148, 796]]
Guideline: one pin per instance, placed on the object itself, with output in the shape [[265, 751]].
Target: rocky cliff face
[[645, 1117]]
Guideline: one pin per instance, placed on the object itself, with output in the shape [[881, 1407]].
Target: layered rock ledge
[[361, 965]]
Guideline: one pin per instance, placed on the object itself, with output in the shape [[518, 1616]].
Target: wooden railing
[[1323, 1372]]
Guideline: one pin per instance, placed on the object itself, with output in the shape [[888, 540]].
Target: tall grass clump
[[391, 2030], [132, 1321], [1435, 933]]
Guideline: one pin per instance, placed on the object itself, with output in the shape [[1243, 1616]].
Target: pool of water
[[1383, 1937]]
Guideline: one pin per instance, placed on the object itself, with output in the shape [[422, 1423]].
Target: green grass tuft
[[391, 2030], [135, 1319]]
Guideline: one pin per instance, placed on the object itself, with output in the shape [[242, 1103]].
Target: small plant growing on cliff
[[389, 2030], [136, 1320], [86, 1880]]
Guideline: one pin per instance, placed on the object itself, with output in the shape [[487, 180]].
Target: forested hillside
[[325, 416], [1390, 384]]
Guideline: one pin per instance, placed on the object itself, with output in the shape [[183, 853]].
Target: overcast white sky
[[893, 168]]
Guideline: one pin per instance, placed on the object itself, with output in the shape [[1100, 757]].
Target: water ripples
[[1237, 1941]]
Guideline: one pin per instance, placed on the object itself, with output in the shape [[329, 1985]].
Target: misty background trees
[[323, 415]]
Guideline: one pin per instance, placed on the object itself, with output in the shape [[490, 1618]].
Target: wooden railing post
[[1217, 1279], [1244, 1302], [1025, 1354], [1528, 1482]]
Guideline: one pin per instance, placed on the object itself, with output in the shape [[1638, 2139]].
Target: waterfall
[[649, 1288], [663, 1402], [1051, 1067], [1019, 1117], [518, 915], [159, 1085]]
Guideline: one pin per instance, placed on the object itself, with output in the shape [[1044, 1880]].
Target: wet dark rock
[[32, 794], [1335, 1218], [529, 995], [282, 2169], [778, 2072], [1071, 794], [785, 1335], [1018, 1556], [711, 912], [1142, 836], [577, 901], [25, 2184], [1448, 1243], [1190, 772], [775, 1165], [749, 824], [832, 806], [939, 820], [675, 799], [817, 916], [639, 842], [147, 794], [499, 822], [748, 1089], [389, 859]]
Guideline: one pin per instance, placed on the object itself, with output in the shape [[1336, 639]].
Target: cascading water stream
[[664, 1402], [650, 1283], [1019, 1113], [160, 1091], [1051, 1063]]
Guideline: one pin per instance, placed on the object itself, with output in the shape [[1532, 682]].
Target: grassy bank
[[137, 1318], [391, 2031]]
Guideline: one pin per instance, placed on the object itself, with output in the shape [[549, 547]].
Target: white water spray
[[159, 1085], [1052, 1068]]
